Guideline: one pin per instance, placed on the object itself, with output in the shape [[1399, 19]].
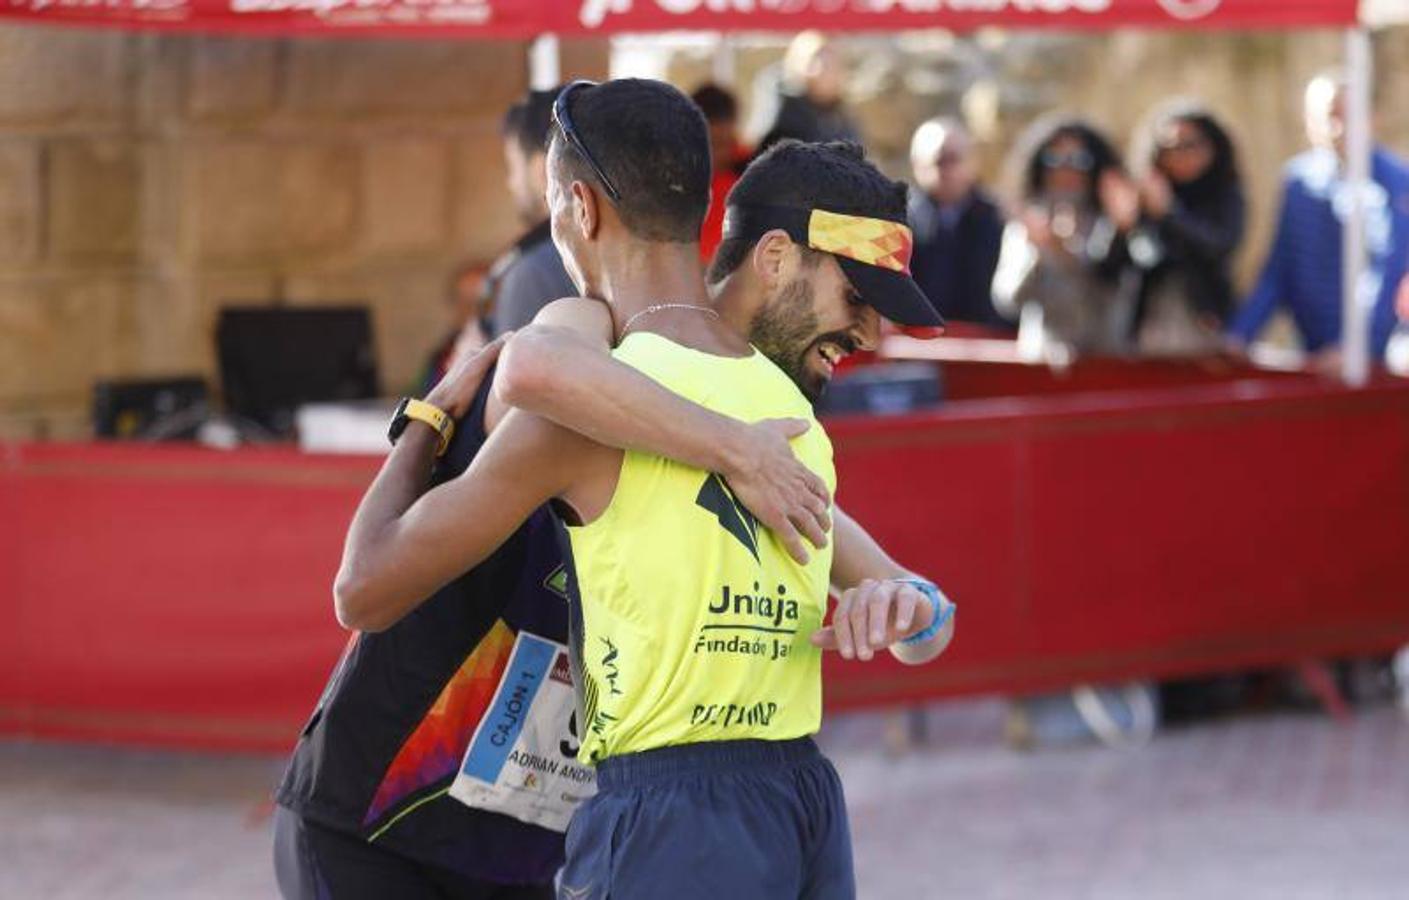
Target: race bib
[[522, 760]]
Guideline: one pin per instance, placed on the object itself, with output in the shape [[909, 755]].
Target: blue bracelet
[[943, 609]]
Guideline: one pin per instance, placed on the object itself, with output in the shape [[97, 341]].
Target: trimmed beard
[[785, 330]]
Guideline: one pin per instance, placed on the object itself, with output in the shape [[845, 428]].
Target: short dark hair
[[717, 104], [527, 122], [653, 144], [834, 176]]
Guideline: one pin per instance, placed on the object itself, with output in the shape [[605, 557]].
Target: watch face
[[398, 421]]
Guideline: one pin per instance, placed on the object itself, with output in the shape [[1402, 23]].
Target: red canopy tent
[[520, 19]]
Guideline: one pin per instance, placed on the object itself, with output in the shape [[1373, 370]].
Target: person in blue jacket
[[1302, 273]]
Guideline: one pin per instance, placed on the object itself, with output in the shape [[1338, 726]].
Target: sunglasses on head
[[562, 118], [1079, 160]]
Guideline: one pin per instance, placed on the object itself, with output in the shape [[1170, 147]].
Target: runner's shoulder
[[584, 315]]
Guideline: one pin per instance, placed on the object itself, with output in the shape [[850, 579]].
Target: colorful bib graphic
[[432, 752]]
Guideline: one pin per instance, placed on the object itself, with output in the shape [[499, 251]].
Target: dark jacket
[[955, 254], [1191, 248], [801, 119], [384, 744], [527, 278]]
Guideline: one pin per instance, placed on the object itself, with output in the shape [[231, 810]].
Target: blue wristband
[[943, 609]]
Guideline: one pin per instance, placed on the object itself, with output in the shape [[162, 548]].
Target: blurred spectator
[[1303, 268], [1192, 217], [721, 111], [530, 274], [464, 291], [958, 228], [1059, 270], [808, 105]]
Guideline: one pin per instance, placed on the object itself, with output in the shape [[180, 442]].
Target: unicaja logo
[[1189, 9]]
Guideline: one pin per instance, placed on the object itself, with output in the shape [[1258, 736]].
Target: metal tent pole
[[545, 68], [1355, 298], [723, 66]]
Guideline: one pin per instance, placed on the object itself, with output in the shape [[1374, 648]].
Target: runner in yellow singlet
[[710, 643], [731, 796]]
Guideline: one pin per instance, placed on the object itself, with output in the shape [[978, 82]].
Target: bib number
[[522, 760]]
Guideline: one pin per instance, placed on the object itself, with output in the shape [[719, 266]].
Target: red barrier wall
[[1153, 533], [177, 595]]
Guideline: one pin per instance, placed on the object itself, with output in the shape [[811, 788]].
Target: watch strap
[[943, 609], [419, 410]]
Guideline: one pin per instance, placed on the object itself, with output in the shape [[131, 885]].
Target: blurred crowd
[[1087, 249]]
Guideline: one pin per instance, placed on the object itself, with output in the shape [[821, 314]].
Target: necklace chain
[[662, 306]]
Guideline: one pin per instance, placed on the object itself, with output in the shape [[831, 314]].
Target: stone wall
[[147, 180]]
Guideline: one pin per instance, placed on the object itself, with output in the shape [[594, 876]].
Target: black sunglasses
[[563, 119], [1079, 160]]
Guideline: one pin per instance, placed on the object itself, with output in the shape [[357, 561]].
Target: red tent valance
[[520, 19]]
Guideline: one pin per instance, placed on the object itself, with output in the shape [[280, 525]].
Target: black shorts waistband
[[709, 758]]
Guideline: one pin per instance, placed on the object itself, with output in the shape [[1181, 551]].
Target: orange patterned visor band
[[874, 254], [875, 242]]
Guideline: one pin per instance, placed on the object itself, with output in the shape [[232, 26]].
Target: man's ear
[[770, 256], [585, 213]]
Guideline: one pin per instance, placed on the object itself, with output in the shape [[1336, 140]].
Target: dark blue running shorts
[[732, 820]]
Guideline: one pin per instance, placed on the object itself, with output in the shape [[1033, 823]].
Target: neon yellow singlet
[[695, 619]]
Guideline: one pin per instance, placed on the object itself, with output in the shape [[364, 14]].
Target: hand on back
[[785, 496], [456, 391]]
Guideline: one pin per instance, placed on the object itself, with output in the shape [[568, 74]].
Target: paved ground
[[1280, 806]]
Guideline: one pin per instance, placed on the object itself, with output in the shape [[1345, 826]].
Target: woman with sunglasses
[[1192, 220], [1061, 265]]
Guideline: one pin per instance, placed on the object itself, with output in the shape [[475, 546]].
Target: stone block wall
[[146, 180]]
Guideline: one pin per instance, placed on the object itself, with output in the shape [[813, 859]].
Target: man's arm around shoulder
[[561, 368]]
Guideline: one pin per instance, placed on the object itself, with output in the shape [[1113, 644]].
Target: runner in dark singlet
[[364, 809]]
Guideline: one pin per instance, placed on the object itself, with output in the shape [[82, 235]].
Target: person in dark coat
[[958, 228], [1192, 218], [808, 106]]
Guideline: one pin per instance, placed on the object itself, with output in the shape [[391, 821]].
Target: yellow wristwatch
[[410, 408]]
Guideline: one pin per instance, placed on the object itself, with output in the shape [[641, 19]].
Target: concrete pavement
[[1280, 806]]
